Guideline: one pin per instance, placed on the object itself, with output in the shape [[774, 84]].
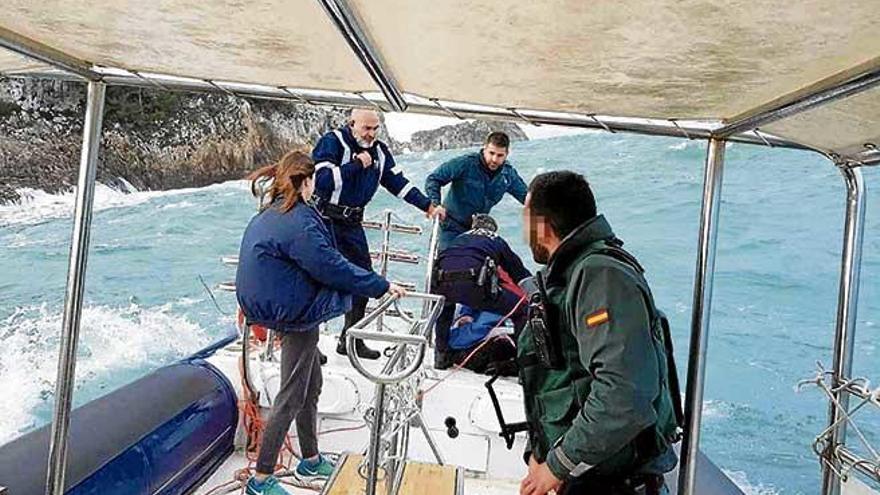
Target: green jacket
[[607, 409]]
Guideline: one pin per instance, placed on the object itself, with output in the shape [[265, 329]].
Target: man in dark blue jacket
[[350, 165], [468, 272], [479, 181]]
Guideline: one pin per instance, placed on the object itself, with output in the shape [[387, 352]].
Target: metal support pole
[[430, 439], [46, 54], [837, 87], [433, 244], [383, 258], [386, 243], [703, 281], [845, 326], [76, 276], [399, 451], [375, 441], [350, 26]]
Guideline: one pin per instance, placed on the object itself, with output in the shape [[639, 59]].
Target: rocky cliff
[[156, 140], [463, 135], [151, 139]]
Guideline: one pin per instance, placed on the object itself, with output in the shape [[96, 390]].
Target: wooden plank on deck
[[418, 479]]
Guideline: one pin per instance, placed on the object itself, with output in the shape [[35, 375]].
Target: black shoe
[[443, 360], [502, 368], [362, 350], [322, 358]]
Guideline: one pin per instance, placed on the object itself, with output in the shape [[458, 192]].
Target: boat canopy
[[692, 67]]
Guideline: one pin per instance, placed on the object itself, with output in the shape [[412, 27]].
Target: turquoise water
[[772, 319]]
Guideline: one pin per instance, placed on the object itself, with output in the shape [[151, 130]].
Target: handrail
[[386, 378], [391, 374], [388, 337], [430, 259], [358, 331], [847, 306]]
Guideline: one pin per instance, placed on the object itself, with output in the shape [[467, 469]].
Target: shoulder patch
[[598, 317]]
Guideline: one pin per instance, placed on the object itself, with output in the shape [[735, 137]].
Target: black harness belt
[[470, 274], [346, 214]]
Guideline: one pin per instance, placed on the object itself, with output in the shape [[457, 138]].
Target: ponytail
[[284, 179]]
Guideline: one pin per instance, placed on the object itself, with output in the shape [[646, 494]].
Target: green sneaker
[[269, 486], [315, 470]]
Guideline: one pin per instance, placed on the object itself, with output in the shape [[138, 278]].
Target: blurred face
[[494, 156], [537, 233], [365, 127], [307, 188]]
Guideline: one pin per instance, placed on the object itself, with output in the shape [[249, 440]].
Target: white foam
[[37, 206], [716, 409], [679, 146], [182, 204], [112, 341], [740, 479]]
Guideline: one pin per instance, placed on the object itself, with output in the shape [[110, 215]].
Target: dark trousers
[[297, 399], [352, 243], [467, 292]]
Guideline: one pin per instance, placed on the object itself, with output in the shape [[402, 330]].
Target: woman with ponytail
[[291, 278]]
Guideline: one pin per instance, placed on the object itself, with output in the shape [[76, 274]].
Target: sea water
[[772, 316]]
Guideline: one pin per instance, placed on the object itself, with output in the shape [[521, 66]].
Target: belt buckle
[[346, 212]]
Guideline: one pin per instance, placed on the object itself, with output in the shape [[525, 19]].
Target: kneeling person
[[469, 272]]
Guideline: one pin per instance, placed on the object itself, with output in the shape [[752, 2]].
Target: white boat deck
[[346, 395], [490, 468]]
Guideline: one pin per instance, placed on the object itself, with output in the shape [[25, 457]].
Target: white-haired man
[[350, 165]]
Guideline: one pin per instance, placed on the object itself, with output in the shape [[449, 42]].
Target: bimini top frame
[[743, 129]]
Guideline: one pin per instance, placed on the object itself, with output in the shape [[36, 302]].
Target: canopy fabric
[[12, 62], [844, 127], [663, 59], [271, 42]]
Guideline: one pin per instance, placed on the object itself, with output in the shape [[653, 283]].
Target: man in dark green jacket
[[592, 358], [479, 180]]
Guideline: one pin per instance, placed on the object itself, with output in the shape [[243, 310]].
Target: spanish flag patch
[[597, 317]]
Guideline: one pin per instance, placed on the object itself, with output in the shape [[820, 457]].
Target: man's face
[[494, 156], [365, 127], [535, 231]]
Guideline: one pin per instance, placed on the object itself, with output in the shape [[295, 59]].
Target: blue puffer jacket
[[467, 335], [291, 276]]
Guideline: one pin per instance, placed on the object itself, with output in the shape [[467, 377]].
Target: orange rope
[[254, 426]]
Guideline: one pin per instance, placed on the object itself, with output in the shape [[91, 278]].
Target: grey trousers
[[297, 399]]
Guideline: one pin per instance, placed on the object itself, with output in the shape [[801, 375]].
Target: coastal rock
[[463, 135], [153, 140], [158, 140]]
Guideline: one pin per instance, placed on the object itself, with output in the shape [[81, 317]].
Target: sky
[[401, 126]]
